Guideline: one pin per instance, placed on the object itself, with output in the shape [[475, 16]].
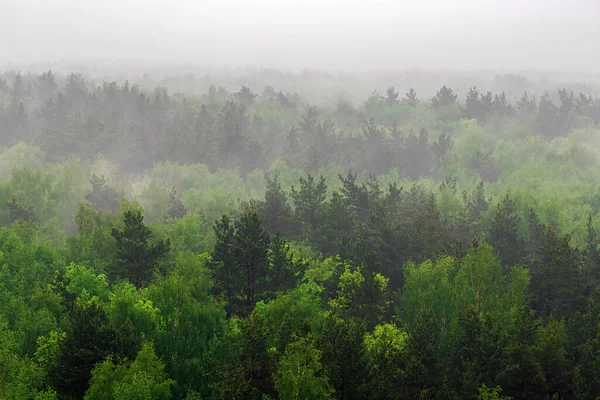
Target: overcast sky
[[318, 34]]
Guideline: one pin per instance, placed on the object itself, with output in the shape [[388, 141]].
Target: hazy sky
[[320, 34]]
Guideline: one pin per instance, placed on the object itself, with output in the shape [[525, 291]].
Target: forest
[[255, 242]]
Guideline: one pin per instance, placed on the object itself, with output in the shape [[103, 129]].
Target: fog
[[319, 34]]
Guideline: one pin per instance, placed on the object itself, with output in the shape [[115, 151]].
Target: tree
[[300, 374], [361, 294], [284, 270], [501, 107], [20, 212], [567, 104], [556, 284], [136, 257], [89, 341], [344, 356], [103, 196], [386, 348], [46, 85], [547, 118], [223, 258], [476, 204], [523, 376], [245, 96], [391, 96], [444, 97], [591, 257], [177, 208], [411, 98], [250, 248], [257, 364], [309, 202], [473, 108], [142, 379], [504, 233], [422, 375], [486, 393], [275, 211], [527, 105]]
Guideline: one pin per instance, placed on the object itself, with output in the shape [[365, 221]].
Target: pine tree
[[547, 118], [411, 98], [275, 212], [473, 108], [556, 283], [504, 233], [391, 96], [245, 96], [136, 257], [88, 342], [444, 97], [223, 260], [283, 271], [250, 248], [309, 202], [523, 376], [421, 376], [344, 356], [591, 257]]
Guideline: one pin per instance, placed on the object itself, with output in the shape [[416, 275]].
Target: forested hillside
[[250, 244]]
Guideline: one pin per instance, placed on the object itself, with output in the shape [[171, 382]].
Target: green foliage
[[93, 245], [386, 350], [362, 296], [142, 379], [188, 322], [457, 215], [486, 393], [299, 375], [344, 356], [85, 284]]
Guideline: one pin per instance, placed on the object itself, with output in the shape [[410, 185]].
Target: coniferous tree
[[547, 118], [344, 356], [89, 341], [591, 257], [309, 202], [245, 96], [501, 107], [250, 248], [411, 98], [275, 212], [444, 97], [523, 376], [473, 107], [421, 377], [391, 96], [103, 196], [136, 257], [504, 233], [224, 262], [556, 282]]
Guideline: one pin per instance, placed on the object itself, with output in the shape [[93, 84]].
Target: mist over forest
[[315, 200]]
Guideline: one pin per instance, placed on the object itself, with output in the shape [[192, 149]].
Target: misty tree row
[[244, 130]]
